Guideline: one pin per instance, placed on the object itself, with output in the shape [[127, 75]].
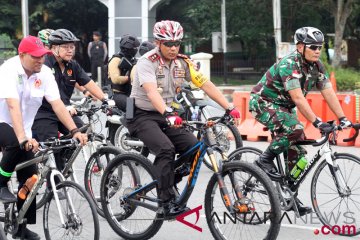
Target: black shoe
[[28, 235], [266, 163], [303, 210], [171, 210], [6, 196]]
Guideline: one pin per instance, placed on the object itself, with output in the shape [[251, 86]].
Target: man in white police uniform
[[24, 81]]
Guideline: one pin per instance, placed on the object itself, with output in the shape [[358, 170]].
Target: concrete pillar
[[203, 61]]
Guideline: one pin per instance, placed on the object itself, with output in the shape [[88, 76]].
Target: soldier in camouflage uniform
[[273, 101]]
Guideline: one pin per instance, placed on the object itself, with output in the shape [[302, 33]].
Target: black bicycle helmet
[[61, 36], [145, 47], [129, 42], [308, 35]]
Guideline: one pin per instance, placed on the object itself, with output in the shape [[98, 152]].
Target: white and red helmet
[[168, 31]]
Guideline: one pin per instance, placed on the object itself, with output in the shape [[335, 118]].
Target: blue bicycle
[[133, 210]]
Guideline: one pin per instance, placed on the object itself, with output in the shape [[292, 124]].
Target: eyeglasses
[[67, 47], [314, 47], [170, 44]]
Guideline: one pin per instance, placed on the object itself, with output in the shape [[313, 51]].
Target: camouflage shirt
[[289, 73]]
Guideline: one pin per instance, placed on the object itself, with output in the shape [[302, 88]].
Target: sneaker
[[171, 210], [27, 234], [303, 210], [6, 196]]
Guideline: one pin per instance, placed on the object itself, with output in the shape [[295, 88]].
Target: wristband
[[23, 143], [73, 131], [342, 118], [229, 109], [85, 91], [317, 122]]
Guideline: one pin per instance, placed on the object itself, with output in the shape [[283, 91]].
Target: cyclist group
[[36, 87]]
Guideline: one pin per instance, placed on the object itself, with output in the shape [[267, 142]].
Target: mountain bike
[[70, 216], [133, 210], [335, 186]]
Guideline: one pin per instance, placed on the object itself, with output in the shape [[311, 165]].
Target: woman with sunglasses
[[160, 72], [282, 89]]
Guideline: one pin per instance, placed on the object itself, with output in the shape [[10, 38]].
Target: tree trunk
[[343, 10]]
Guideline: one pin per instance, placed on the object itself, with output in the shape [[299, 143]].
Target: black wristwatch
[[168, 111], [85, 91]]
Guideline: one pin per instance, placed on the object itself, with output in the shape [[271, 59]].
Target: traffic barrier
[[333, 81], [252, 130]]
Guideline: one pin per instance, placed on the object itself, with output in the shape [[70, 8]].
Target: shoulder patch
[[182, 56], [154, 57]]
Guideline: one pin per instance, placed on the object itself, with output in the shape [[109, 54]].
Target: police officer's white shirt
[[14, 83]]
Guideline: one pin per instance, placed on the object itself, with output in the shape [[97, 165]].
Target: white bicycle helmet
[[308, 35], [168, 31]]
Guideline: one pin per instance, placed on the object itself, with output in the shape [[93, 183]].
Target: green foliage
[[7, 49], [347, 79]]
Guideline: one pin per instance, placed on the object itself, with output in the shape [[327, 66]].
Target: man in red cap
[[24, 82]]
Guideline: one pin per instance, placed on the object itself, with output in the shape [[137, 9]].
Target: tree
[[341, 11]]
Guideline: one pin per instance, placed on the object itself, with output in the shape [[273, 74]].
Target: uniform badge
[[20, 79], [179, 73], [154, 57], [160, 73], [69, 72], [37, 83]]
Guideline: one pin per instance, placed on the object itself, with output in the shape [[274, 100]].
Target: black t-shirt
[[73, 73]]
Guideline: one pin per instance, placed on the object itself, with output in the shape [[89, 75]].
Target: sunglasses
[[314, 47], [171, 44]]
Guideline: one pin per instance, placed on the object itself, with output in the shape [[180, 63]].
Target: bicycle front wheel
[[335, 194], [94, 170], [78, 213], [255, 212], [129, 200]]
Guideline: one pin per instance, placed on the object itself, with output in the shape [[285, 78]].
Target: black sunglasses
[[314, 47], [171, 44]]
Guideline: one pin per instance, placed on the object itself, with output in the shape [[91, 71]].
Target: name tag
[[179, 73]]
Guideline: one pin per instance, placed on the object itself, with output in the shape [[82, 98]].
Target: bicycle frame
[[199, 150]]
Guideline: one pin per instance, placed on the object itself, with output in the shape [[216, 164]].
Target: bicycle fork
[[337, 175], [217, 167]]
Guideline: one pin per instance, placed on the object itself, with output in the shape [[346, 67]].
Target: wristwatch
[[168, 111]]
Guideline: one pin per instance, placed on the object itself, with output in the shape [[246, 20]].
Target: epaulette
[[182, 56], [154, 57]]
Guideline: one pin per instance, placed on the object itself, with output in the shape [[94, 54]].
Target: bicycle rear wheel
[[255, 201], [81, 223], [94, 170], [228, 136], [336, 208], [126, 215]]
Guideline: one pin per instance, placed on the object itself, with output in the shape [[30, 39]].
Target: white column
[[111, 25], [277, 25]]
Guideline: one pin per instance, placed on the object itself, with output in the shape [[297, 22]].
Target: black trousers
[[164, 142], [120, 100], [94, 70], [45, 128], [13, 155]]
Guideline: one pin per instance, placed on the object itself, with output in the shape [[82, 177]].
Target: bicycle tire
[[2, 232], [223, 140], [323, 179], [74, 224], [91, 185], [121, 134], [240, 154], [119, 212], [243, 229]]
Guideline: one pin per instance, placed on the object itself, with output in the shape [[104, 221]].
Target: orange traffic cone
[[333, 81]]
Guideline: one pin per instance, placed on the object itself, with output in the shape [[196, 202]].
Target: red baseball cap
[[33, 46]]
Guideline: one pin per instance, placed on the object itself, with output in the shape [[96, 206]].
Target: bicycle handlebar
[[334, 128], [56, 144], [355, 126]]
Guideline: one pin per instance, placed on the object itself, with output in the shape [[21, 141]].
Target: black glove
[[322, 126], [344, 123]]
